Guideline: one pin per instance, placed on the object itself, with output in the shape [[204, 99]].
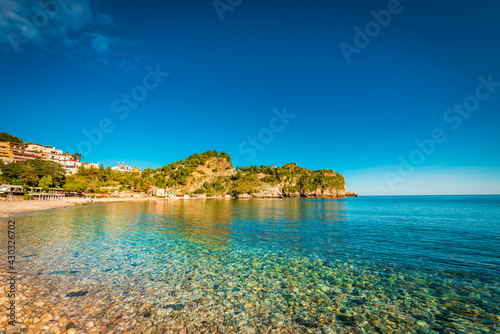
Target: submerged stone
[[306, 323], [175, 307], [77, 293], [70, 326]]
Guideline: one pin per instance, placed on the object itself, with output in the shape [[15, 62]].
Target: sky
[[401, 97]]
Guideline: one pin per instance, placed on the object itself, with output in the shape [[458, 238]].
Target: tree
[[28, 176], [11, 172], [75, 183], [20, 174], [147, 172], [30, 172], [145, 185], [104, 174], [10, 138], [225, 155], [45, 182], [43, 168], [77, 156]]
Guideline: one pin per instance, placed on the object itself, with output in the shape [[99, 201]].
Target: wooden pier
[[15, 193], [47, 196]]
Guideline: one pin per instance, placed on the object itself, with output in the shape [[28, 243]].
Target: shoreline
[[88, 274], [9, 209]]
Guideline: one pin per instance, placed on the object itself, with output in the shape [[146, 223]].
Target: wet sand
[[9, 208]]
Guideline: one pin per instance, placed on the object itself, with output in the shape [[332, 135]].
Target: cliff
[[212, 174]]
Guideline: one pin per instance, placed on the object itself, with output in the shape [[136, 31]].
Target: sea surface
[[409, 264]]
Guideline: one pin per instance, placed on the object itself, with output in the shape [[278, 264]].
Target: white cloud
[[101, 44], [65, 27]]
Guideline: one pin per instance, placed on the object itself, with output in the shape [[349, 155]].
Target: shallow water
[[424, 264]]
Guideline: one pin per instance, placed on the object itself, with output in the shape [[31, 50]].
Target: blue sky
[[345, 85]]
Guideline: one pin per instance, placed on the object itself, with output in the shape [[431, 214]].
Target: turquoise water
[[424, 264]]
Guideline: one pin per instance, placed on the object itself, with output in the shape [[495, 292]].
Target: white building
[[90, 165], [122, 168], [159, 192], [70, 166], [59, 157], [42, 148]]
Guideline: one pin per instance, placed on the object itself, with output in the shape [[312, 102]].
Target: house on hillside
[[70, 166], [42, 148], [158, 192], [6, 154], [122, 168], [16, 152], [90, 165]]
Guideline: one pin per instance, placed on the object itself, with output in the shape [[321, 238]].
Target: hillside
[[212, 174], [209, 174], [5, 137]]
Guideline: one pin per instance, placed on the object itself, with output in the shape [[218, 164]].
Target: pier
[[39, 195], [47, 196]]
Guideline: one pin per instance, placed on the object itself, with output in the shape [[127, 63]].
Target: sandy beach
[[9, 208]]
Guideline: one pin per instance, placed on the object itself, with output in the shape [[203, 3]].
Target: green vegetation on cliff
[[178, 172], [5, 137], [33, 173], [210, 173], [290, 178]]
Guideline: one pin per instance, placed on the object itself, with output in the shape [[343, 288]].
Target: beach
[[9, 208]]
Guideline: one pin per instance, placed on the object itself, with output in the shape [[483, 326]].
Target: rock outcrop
[[277, 192], [213, 175]]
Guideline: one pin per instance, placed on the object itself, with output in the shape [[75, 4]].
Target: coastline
[[85, 273], [8, 209]]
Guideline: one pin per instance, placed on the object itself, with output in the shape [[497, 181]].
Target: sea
[[381, 264]]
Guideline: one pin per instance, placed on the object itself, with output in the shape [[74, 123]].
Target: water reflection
[[366, 265]]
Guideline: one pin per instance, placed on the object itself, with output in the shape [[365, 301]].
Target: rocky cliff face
[[322, 193], [278, 192], [215, 176], [211, 171]]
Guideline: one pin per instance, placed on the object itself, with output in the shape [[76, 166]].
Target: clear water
[[426, 264]]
